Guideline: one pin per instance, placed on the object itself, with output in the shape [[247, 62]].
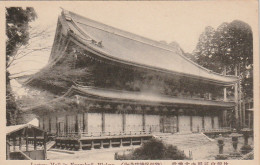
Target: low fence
[[79, 135]]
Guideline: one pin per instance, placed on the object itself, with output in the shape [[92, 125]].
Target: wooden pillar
[[34, 140], [8, 149], [110, 143], [143, 120], [191, 123], [92, 144], [249, 120], [177, 122], [84, 124], [44, 145], [121, 142], [162, 122], [103, 122], [224, 118], [49, 124], [76, 123], [57, 126], [225, 94], [43, 124], [131, 141], [124, 120], [101, 144], [80, 145], [20, 142], [244, 114], [14, 142], [203, 122], [212, 121], [26, 140], [66, 124]]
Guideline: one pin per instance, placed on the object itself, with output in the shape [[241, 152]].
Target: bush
[[154, 149]]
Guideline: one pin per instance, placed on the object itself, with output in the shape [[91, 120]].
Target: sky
[[179, 21]]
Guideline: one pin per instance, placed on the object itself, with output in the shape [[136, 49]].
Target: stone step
[[184, 140]]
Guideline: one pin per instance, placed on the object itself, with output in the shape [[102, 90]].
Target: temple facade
[[126, 88]]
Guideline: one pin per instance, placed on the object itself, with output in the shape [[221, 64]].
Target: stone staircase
[[50, 144], [184, 140]]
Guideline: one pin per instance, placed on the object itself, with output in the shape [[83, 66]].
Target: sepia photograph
[[131, 81]]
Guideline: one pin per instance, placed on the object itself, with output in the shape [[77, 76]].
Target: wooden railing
[[99, 134], [223, 129]]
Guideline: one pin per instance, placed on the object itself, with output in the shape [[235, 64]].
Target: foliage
[[205, 50], [227, 47], [17, 25], [154, 149]]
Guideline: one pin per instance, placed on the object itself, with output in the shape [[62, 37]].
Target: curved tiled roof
[[133, 49], [118, 95]]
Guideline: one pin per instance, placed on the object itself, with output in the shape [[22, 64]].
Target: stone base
[[246, 149], [235, 155], [221, 157]]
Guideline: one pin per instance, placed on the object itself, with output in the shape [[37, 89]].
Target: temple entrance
[[168, 124], [196, 123], [184, 124]]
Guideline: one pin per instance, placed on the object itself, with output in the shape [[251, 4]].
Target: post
[[80, 145], [92, 144], [8, 149], [244, 113], [124, 121], [110, 143], [249, 120], [103, 122], [20, 142], [43, 124], [44, 145], [177, 122], [191, 123], [131, 142], [121, 142], [224, 124], [50, 124], [66, 124], [212, 122], [26, 140], [76, 124], [203, 122], [143, 120], [225, 94], [57, 126], [34, 140], [84, 124], [14, 142], [101, 144]]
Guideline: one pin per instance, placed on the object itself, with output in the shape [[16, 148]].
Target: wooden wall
[[111, 122]]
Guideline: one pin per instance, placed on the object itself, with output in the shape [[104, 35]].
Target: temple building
[[126, 88]]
